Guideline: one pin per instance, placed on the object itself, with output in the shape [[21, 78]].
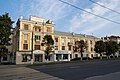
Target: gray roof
[[74, 34]]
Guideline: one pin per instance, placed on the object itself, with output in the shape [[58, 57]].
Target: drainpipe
[[32, 49]]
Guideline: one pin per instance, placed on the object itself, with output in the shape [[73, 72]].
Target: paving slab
[[24, 73]]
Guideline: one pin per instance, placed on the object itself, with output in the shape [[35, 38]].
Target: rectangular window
[[70, 55], [56, 47], [65, 56], [38, 57], [37, 37], [26, 26], [37, 47], [91, 42], [63, 47], [87, 55], [48, 29], [37, 28], [58, 57], [5, 58], [26, 57], [25, 46], [56, 39], [91, 49], [69, 47], [76, 55]]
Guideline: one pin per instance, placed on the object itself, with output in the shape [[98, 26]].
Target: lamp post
[[32, 49]]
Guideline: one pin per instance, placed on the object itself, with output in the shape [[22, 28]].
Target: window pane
[[4, 58], [56, 39], [58, 56], [26, 57], [25, 27], [69, 47], [63, 47], [76, 55], [65, 56], [37, 47], [56, 47], [37, 37], [48, 29], [25, 46]]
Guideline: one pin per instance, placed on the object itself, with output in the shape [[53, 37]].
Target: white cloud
[[76, 21], [51, 9], [95, 23]]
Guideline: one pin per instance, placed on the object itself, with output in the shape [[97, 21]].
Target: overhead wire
[[104, 6], [89, 12]]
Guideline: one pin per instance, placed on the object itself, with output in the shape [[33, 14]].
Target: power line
[[104, 6], [89, 12]]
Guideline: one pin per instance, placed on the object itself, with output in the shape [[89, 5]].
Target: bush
[[87, 58], [7, 63], [75, 59], [84, 58], [96, 57], [104, 57]]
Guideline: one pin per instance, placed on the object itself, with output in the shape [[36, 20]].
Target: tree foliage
[[119, 48], [108, 47], [100, 47], [48, 42], [5, 32], [80, 46], [111, 47]]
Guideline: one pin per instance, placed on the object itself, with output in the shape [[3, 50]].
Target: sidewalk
[[24, 73], [11, 66], [111, 76]]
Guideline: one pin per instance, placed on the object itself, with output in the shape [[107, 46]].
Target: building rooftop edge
[[74, 34]]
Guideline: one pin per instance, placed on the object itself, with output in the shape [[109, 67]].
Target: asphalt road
[[80, 70]]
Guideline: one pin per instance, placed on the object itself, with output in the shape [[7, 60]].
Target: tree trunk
[[113, 56], [81, 56], [108, 57], [101, 56], [0, 59]]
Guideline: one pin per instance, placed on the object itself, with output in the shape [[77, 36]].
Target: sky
[[67, 18]]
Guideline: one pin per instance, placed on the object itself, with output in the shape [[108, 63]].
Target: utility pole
[[32, 49]]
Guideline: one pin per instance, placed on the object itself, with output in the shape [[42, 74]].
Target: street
[[81, 71], [91, 70]]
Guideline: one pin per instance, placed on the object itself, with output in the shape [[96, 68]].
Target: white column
[[68, 57], [62, 57], [43, 58], [54, 56]]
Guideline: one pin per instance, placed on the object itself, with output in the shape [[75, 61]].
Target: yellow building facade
[[28, 36]]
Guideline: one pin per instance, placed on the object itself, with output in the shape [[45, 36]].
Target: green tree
[[48, 42], [111, 48], [5, 32], [100, 48], [80, 47]]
